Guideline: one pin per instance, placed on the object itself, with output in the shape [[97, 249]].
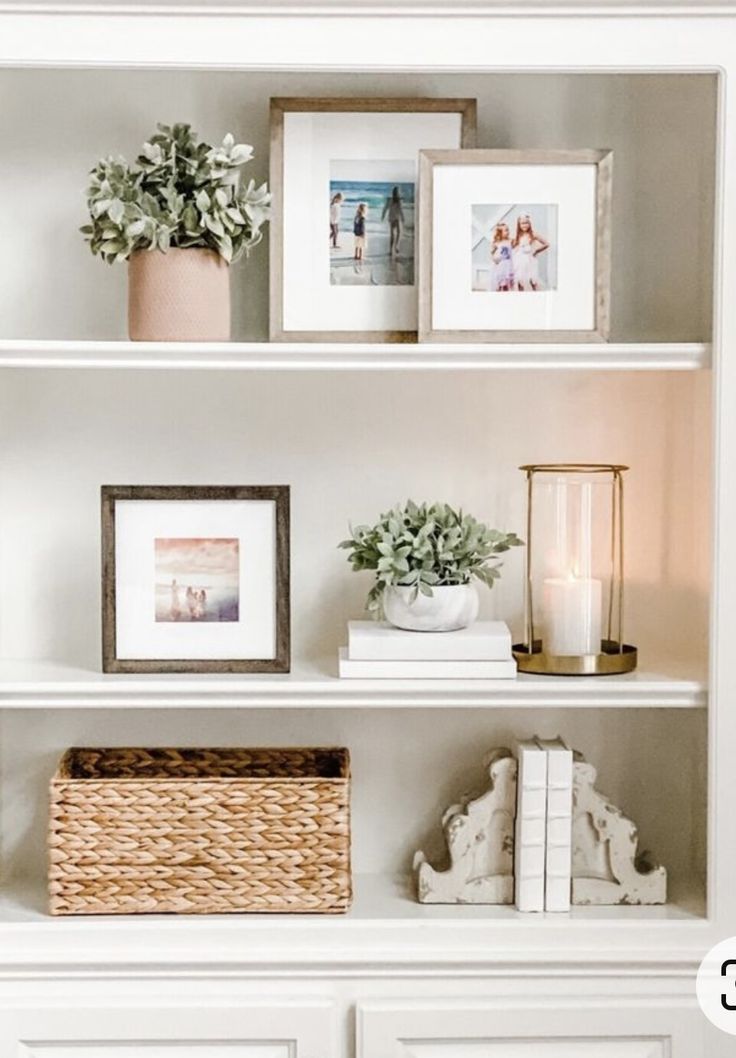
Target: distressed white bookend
[[605, 865], [480, 840]]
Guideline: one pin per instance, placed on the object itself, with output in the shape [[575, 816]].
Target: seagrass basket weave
[[200, 831]]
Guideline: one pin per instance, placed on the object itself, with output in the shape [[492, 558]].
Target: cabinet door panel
[[588, 1028], [567, 1048], [144, 1049], [251, 1030]]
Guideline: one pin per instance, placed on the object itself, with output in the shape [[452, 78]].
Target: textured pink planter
[[178, 296]]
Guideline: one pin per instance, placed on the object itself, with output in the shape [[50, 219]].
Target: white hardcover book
[[531, 826], [380, 641], [424, 670], [558, 880]]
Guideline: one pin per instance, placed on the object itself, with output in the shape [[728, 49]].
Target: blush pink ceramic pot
[[178, 296]]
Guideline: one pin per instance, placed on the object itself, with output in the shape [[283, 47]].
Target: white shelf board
[[49, 685], [362, 356], [385, 925]]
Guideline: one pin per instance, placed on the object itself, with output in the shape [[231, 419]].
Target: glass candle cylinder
[[574, 571]]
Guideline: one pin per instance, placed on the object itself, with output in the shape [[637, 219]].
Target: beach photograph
[[197, 579], [372, 223], [513, 248]]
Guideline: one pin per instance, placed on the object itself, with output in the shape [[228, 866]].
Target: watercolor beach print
[[197, 579], [513, 248], [371, 223]]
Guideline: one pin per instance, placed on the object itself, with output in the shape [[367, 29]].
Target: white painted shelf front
[[362, 356], [42, 685], [385, 923]]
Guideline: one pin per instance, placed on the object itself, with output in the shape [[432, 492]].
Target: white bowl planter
[[450, 607], [182, 295]]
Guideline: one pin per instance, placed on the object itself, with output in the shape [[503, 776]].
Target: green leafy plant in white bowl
[[425, 558]]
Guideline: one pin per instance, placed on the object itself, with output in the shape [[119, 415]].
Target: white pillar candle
[[572, 615]]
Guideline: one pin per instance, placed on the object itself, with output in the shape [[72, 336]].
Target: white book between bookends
[[605, 865], [530, 838], [480, 839], [557, 863]]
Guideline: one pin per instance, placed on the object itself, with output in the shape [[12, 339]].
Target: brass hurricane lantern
[[574, 572]]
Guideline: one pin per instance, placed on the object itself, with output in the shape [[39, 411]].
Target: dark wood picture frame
[[601, 159], [279, 495], [468, 110]]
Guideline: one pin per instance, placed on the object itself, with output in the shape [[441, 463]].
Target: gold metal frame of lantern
[[615, 656]]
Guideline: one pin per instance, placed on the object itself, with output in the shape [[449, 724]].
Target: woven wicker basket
[[200, 831]]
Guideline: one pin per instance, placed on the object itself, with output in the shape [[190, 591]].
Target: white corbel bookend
[[605, 865], [480, 840]]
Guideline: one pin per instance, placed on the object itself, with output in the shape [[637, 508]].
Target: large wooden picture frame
[[233, 553], [513, 304], [292, 174]]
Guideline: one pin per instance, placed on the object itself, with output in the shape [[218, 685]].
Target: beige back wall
[[660, 127]]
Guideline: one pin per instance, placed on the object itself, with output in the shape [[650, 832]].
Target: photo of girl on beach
[[371, 239], [514, 248], [335, 204], [359, 231], [197, 579]]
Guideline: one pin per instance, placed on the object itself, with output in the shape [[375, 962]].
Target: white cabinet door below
[[144, 1049], [568, 1048], [303, 1030], [501, 1029]]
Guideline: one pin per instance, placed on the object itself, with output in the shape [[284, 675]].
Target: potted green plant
[[180, 216], [425, 558]]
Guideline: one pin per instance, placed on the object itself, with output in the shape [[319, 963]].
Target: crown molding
[[377, 9]]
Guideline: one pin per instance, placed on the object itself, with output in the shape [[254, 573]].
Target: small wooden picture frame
[[515, 245], [195, 578], [336, 275]]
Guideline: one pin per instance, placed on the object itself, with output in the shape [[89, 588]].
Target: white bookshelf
[[290, 356], [354, 428], [384, 924], [45, 685]]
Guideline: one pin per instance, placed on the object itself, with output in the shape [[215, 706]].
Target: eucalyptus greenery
[[179, 193], [426, 546]]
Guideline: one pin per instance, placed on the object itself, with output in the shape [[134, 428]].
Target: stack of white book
[[543, 845], [377, 650]]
